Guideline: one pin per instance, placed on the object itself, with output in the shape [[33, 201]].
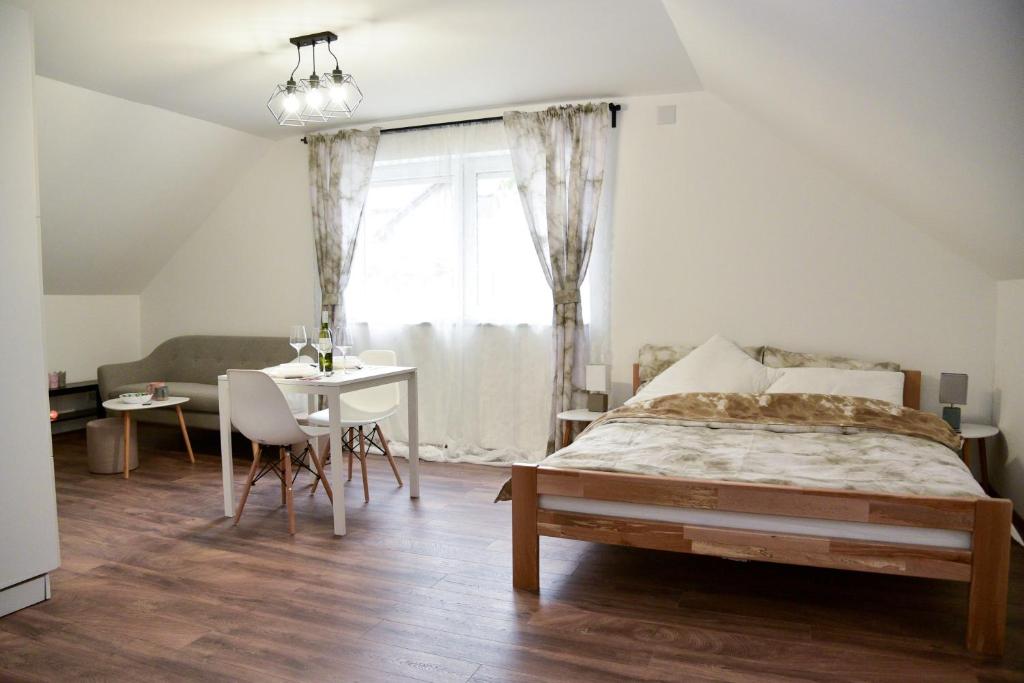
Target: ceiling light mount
[[313, 39], [319, 98]]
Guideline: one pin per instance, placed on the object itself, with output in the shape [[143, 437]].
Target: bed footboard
[[985, 566]]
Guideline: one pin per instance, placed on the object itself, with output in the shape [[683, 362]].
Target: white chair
[[361, 409], [261, 413], [299, 403]]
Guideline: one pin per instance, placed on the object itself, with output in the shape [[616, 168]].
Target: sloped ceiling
[[121, 185], [220, 60], [919, 101]]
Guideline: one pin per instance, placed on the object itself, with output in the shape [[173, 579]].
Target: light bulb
[[314, 98], [291, 103], [337, 94]]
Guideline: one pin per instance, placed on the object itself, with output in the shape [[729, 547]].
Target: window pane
[[406, 260], [510, 283]]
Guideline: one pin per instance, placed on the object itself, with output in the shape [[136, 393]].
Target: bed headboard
[[911, 386]]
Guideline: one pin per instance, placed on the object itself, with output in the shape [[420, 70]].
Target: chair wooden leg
[[248, 481], [284, 495], [351, 452], [362, 465], [320, 472], [286, 462], [387, 453], [323, 461]]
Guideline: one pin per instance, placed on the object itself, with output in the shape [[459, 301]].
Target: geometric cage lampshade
[[343, 96], [286, 104], [319, 98]]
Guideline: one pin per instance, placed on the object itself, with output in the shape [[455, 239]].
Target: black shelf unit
[[72, 388]]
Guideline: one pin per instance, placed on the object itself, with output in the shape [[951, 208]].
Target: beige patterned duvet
[[787, 439]]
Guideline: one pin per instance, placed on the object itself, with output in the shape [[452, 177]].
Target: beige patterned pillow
[[779, 358], [655, 358]]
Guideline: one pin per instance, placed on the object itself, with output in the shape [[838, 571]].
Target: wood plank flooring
[[155, 585]]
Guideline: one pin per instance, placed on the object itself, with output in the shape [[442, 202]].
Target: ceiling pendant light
[[285, 103], [318, 98], [313, 96], [343, 95]]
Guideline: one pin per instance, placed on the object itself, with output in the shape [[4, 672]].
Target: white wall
[[721, 227], [250, 267], [1007, 463], [84, 332], [122, 184], [28, 510], [718, 225]]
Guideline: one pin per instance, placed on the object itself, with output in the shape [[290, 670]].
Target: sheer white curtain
[[445, 273]]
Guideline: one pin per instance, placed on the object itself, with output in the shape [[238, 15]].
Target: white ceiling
[[919, 101], [219, 61]]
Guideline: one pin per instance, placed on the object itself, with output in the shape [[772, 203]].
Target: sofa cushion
[[202, 397]]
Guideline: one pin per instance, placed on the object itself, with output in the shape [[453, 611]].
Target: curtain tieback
[[329, 299], [567, 296]]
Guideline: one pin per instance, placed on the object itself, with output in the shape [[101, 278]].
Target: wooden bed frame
[[985, 566]]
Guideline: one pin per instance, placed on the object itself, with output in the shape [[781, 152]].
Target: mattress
[[857, 531]]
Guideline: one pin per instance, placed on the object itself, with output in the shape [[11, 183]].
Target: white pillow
[[879, 384], [717, 365]]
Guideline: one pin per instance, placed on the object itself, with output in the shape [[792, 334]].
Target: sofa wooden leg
[[525, 540], [990, 572]]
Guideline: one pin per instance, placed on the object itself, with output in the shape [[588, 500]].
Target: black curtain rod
[[613, 108]]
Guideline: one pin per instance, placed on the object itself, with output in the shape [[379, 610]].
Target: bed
[[960, 535]]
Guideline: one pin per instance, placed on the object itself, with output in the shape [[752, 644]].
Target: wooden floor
[[157, 586]]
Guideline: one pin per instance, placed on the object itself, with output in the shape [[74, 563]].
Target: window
[[444, 239]]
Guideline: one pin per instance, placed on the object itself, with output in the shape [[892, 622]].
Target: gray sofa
[[190, 366]]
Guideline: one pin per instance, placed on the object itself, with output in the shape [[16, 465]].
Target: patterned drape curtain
[[340, 165], [558, 156]]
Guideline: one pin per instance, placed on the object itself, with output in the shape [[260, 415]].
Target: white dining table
[[332, 386]]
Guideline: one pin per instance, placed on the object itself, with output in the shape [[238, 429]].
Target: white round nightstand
[[570, 416], [978, 432]]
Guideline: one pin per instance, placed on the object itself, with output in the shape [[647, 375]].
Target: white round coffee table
[[127, 409]]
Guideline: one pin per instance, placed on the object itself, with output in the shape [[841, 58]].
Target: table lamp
[[597, 386], [953, 391]]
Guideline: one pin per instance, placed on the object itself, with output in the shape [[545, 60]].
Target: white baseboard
[[24, 594]]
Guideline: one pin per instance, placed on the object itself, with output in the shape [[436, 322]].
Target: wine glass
[[298, 340], [344, 342], [324, 345]]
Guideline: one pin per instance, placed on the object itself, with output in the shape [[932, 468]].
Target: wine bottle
[[326, 345]]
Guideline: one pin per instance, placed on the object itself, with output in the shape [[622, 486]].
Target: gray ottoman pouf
[[105, 442]]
